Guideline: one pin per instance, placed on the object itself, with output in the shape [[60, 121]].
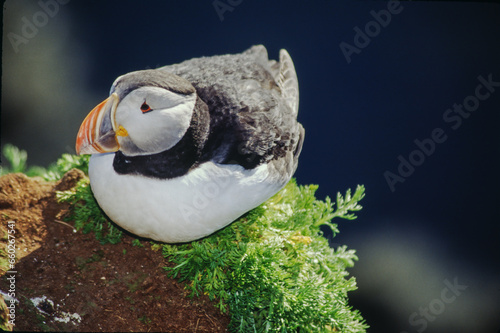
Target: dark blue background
[[441, 223]]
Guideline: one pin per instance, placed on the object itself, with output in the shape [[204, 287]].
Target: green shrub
[[273, 270], [17, 160], [87, 215]]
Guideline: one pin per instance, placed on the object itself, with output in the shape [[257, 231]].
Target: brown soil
[[117, 287]]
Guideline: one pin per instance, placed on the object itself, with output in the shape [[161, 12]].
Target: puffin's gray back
[[254, 94]]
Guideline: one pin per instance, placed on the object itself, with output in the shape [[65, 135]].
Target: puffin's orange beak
[[97, 132]]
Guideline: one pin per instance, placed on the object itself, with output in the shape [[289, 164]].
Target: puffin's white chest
[[180, 209]]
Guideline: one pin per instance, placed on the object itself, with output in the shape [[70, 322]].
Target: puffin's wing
[[287, 81], [253, 104]]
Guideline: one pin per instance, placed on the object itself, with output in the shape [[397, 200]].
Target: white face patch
[[154, 118]]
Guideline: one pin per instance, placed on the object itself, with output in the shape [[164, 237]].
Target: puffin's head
[[147, 112]]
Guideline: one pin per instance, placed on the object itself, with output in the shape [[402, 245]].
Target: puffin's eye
[[145, 107]]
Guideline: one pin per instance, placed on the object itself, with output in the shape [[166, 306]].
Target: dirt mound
[[68, 281]]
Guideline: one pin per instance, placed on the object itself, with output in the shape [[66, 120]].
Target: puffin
[[181, 151]]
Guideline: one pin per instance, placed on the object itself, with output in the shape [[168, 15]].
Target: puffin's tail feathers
[[288, 82]]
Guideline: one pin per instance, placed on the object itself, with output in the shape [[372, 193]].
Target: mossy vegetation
[[272, 269], [87, 215], [15, 160]]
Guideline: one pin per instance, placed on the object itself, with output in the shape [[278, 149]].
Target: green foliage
[[344, 205], [17, 159], [65, 163], [87, 214], [273, 270], [137, 242]]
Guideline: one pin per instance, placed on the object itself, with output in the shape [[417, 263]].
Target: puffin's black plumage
[[240, 115]]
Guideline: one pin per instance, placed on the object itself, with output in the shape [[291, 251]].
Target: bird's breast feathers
[[183, 208]]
